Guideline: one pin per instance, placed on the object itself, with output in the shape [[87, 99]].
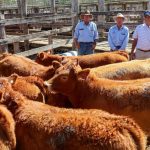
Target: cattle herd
[[92, 102]]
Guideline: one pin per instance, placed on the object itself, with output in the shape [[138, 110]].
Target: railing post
[[74, 10], [16, 47], [50, 40], [22, 7], [3, 48], [101, 19], [53, 6], [148, 7]]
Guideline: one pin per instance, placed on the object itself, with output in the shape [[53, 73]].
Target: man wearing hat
[[141, 39], [85, 34], [118, 35]]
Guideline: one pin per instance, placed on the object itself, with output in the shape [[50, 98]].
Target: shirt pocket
[[122, 36], [91, 33], [113, 35], [81, 31]]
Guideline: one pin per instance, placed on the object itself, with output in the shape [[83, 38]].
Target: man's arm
[[96, 36], [134, 43], [76, 43], [125, 42], [111, 44], [76, 36]]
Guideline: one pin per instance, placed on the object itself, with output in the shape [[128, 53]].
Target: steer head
[[67, 77], [9, 97], [46, 59]]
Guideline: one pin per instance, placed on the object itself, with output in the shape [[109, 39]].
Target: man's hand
[[134, 43], [93, 47], [132, 56], [77, 45]]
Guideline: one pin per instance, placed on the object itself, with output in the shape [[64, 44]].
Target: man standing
[[141, 39], [118, 35], [86, 34]]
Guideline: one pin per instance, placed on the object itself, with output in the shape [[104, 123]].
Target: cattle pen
[[31, 27], [35, 39]]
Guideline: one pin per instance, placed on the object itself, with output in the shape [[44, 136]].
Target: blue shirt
[[118, 37], [86, 33]]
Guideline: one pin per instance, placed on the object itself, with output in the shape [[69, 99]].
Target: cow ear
[[76, 61], [64, 60], [42, 55], [12, 79], [84, 74], [56, 64], [50, 51]]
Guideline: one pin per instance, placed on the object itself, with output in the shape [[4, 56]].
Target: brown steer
[[85, 90], [135, 69], [42, 127], [87, 61], [7, 130], [10, 64]]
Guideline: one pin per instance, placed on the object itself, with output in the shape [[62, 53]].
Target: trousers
[[142, 55], [85, 48]]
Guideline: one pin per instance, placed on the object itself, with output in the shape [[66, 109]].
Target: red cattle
[[39, 126], [135, 69], [86, 61], [85, 90], [31, 87], [7, 130], [10, 64]]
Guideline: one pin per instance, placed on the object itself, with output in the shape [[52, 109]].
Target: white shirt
[[142, 33]]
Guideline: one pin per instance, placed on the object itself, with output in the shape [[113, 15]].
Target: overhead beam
[[34, 35], [109, 24], [118, 11], [31, 20]]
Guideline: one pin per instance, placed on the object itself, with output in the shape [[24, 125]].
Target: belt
[[86, 42], [143, 50], [118, 47]]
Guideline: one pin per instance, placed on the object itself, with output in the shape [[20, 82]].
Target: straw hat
[[86, 13], [119, 15]]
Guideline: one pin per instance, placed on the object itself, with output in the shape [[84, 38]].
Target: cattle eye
[[64, 78]]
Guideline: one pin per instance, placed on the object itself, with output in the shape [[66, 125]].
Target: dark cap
[[146, 13]]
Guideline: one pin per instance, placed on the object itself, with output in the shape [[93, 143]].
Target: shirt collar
[[86, 24], [120, 28], [146, 25]]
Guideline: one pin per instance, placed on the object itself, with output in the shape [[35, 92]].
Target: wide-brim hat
[[120, 15], [86, 13]]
